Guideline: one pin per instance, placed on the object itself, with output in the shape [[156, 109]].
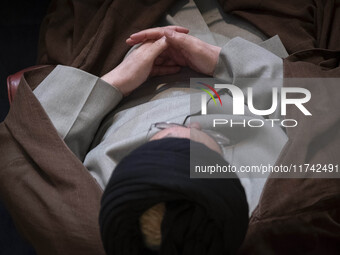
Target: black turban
[[203, 216]]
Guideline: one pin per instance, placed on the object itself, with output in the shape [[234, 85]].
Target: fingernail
[[163, 38], [169, 33]]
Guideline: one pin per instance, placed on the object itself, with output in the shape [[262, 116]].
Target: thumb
[[158, 47], [178, 40]]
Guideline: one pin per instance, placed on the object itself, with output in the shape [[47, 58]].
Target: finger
[[164, 54], [159, 61], [156, 33], [164, 70], [179, 56], [171, 55], [180, 40], [157, 48], [153, 34], [130, 42], [164, 61], [169, 62]]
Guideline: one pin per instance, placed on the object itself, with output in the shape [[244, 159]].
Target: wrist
[[116, 80], [215, 53]]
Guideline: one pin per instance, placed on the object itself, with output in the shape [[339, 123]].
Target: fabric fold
[[46, 192]]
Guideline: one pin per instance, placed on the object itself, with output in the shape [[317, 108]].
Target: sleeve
[[76, 102], [248, 65], [240, 58]]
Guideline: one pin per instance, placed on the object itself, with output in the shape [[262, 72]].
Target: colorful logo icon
[[209, 93]]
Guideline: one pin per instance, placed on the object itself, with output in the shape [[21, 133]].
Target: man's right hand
[[183, 50]]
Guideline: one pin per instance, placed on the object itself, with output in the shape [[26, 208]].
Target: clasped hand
[[163, 50]]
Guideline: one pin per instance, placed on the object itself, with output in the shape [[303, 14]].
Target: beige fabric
[[167, 99]]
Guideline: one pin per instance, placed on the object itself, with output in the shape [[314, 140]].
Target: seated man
[[101, 129], [49, 191], [101, 136]]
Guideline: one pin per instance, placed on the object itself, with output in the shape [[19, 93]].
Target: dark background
[[19, 31]]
